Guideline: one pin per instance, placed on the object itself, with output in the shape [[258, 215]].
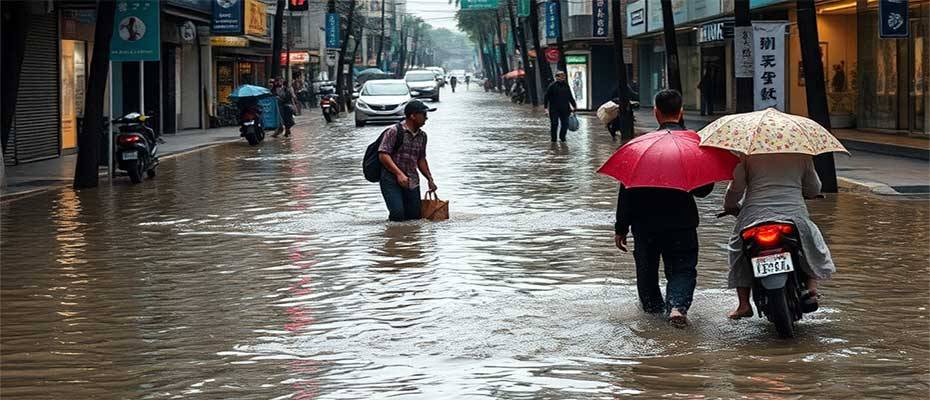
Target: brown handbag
[[433, 209]]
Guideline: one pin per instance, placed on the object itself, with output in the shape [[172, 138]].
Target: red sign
[[301, 57], [552, 55]]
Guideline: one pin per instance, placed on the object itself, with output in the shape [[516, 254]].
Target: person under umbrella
[[661, 173]]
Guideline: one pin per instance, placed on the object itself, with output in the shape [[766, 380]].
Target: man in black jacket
[[664, 223], [559, 104]]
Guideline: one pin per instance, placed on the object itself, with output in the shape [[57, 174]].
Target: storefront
[[76, 47], [716, 66], [578, 69]]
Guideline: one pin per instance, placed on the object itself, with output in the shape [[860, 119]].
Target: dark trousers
[[707, 103], [402, 203], [557, 118], [679, 252]]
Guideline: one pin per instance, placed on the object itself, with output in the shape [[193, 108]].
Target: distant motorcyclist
[[453, 81]]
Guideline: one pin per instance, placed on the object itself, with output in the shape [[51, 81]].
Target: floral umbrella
[[769, 131]]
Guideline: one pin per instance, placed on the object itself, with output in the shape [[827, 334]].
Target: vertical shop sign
[[742, 42], [892, 18], [523, 8], [553, 20], [332, 30], [600, 18], [768, 68], [256, 18], [136, 31], [227, 17]]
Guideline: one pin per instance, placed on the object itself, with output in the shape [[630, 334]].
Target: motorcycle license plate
[[130, 156], [772, 264]]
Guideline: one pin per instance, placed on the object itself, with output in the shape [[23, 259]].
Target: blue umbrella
[[246, 91]]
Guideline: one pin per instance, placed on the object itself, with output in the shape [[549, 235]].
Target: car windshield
[[384, 89], [420, 76]]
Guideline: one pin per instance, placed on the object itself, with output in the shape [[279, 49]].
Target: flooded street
[[271, 272]]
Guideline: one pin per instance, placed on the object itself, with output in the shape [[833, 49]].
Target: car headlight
[[414, 92], [361, 104]]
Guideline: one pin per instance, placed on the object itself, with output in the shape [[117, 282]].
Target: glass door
[[918, 99]]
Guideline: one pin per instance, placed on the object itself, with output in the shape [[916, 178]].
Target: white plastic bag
[[608, 112]]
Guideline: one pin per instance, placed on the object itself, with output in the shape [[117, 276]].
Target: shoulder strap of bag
[[400, 137]]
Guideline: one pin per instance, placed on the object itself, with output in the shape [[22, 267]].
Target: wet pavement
[[271, 273]]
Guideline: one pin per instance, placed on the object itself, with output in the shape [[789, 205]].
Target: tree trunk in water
[[816, 88], [348, 99], [671, 47], [343, 47], [545, 73], [561, 39], [15, 26], [86, 171], [626, 117], [276, 40]]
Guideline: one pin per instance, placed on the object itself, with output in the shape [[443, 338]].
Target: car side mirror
[[354, 95]]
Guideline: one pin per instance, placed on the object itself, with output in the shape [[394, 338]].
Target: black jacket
[[559, 97], [652, 210]]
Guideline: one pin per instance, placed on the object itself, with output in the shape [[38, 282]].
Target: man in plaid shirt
[[400, 180]]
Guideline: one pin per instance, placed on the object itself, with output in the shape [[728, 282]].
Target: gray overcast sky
[[438, 13]]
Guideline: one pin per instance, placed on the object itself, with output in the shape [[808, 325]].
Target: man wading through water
[[400, 181], [664, 223], [559, 104]]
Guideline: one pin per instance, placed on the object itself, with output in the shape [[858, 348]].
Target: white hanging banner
[[768, 65]]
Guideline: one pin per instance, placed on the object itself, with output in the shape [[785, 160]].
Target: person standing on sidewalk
[[559, 104], [400, 180], [664, 224], [706, 86]]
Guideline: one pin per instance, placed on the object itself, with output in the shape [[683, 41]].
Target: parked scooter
[[250, 123], [780, 285], [136, 146]]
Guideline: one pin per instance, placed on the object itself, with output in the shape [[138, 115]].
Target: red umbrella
[[517, 73], [669, 159]]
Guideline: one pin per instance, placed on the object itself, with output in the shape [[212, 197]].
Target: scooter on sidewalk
[[136, 146]]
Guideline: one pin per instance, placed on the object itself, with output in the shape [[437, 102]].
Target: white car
[[381, 100], [423, 84], [440, 75]]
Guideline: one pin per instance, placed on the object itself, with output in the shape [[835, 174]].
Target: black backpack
[[371, 164]]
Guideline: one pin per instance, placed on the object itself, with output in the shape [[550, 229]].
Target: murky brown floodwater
[[271, 273]]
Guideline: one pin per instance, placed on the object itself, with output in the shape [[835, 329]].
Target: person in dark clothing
[[706, 86], [559, 104], [664, 224]]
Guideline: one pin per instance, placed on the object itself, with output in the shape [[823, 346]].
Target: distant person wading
[[559, 103]]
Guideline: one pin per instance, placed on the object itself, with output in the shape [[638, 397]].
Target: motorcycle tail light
[[767, 235], [128, 139]]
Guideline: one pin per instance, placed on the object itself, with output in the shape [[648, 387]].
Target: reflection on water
[[272, 272]]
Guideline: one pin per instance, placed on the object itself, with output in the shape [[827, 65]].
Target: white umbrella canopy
[[769, 132]]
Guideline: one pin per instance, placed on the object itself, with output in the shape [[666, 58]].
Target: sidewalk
[[32, 177], [880, 163]]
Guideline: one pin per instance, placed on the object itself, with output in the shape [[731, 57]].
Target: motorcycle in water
[[329, 105], [250, 124], [780, 286], [136, 146]]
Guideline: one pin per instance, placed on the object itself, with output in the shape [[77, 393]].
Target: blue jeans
[[679, 252], [402, 203]]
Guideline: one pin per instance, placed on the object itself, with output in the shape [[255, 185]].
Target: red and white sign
[[552, 55], [300, 57]]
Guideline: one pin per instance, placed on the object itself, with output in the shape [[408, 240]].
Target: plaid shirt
[[412, 150]]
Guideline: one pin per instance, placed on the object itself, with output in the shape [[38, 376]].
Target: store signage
[[136, 31], [552, 55], [600, 18], [715, 31], [523, 8], [553, 21], [768, 68], [576, 59], [637, 17], [228, 41], [742, 51], [479, 4], [332, 57], [332, 31], [298, 5], [256, 18], [300, 57], [227, 17], [893, 18]]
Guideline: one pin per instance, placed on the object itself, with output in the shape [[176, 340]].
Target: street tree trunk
[[381, 39], [350, 89], [545, 73], [502, 48], [671, 47], [86, 171], [402, 56], [15, 25], [343, 47], [560, 40], [816, 88], [276, 43], [626, 117], [744, 86], [528, 70]]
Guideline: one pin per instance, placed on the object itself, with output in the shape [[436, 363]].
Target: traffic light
[[298, 5]]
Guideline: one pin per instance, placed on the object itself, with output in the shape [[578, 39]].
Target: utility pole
[[381, 40], [528, 70], [671, 47], [744, 98], [626, 118], [545, 73], [276, 40], [816, 88], [561, 38]]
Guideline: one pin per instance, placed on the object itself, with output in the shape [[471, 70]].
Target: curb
[[886, 149], [8, 198], [848, 185]]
